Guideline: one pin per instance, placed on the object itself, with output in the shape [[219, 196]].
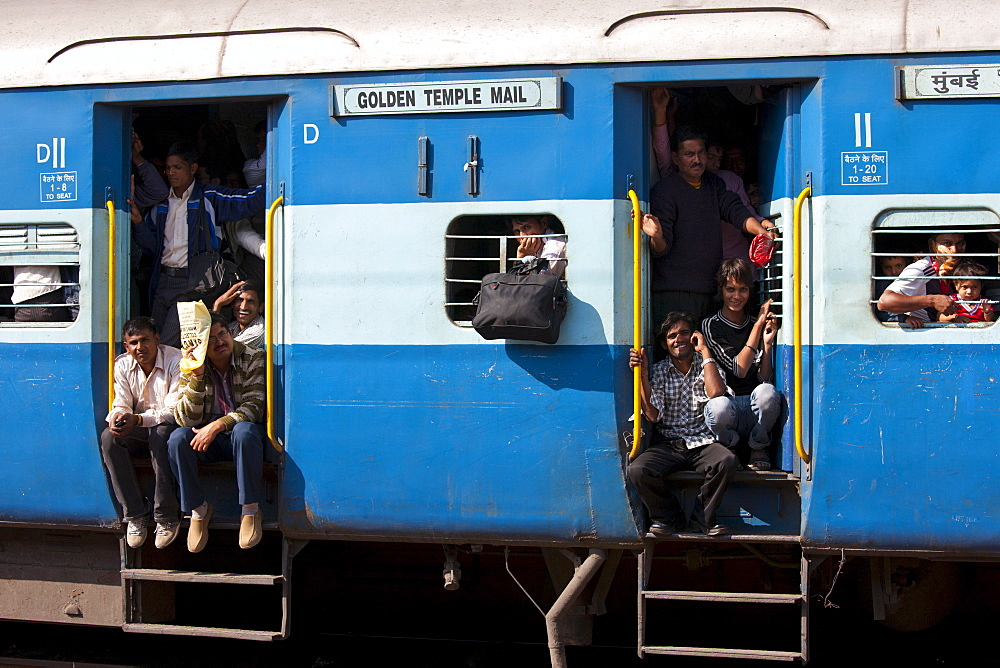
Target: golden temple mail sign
[[446, 96], [921, 82]]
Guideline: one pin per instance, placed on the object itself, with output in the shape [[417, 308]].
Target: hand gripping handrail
[[636, 322], [112, 296], [797, 319], [269, 317]]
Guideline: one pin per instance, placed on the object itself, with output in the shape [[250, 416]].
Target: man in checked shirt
[[674, 399]]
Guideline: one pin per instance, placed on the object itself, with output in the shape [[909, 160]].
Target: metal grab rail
[[112, 296], [797, 319], [269, 319], [636, 322]]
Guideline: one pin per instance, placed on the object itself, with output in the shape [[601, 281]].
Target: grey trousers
[[117, 455], [169, 291], [650, 469]]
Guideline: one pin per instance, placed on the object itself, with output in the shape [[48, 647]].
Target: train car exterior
[[395, 137]]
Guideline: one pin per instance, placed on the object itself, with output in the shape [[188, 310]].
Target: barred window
[[902, 238], [39, 274], [479, 245]]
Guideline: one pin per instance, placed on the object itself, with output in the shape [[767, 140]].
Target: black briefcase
[[520, 305]]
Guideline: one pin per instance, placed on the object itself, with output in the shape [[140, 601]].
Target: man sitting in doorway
[[247, 299], [142, 418], [674, 400], [742, 346], [219, 409]]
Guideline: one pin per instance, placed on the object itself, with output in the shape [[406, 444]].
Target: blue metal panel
[[919, 136], [51, 468], [905, 448], [517, 442]]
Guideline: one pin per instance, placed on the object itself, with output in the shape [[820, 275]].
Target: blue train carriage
[[399, 167]]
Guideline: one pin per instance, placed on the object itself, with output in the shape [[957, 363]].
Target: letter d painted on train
[[310, 133], [57, 152]]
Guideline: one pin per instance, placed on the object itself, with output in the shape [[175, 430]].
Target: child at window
[[968, 295], [893, 266]]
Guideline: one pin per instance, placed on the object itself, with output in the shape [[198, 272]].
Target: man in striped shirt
[[220, 409]]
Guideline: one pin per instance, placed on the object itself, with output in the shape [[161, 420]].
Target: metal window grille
[[769, 278], [911, 243], [40, 247], [470, 257]]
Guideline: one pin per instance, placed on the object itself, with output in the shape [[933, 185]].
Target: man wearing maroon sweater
[[685, 240]]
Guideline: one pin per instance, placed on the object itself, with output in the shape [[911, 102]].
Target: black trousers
[[649, 471]]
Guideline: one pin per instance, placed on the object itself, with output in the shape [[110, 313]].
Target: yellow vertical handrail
[[636, 321], [269, 317], [112, 296], [797, 319]]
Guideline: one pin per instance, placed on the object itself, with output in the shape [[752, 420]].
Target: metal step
[[722, 596], [735, 537], [204, 631], [724, 653], [200, 577]]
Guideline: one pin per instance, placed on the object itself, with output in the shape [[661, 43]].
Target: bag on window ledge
[[521, 305]]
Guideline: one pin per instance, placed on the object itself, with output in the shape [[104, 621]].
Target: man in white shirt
[[141, 418]]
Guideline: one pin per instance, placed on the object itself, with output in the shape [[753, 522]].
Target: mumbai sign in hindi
[[921, 82], [446, 97]]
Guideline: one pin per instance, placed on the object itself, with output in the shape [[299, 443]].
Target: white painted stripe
[[857, 129], [868, 130], [374, 274]]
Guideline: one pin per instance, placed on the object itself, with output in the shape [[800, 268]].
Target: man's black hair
[[219, 319], [185, 151], [686, 133], [254, 286], [138, 324], [672, 319]]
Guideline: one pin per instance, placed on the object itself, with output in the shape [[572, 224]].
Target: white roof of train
[[56, 42]]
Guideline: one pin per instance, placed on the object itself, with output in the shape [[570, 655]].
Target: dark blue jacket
[[219, 205]]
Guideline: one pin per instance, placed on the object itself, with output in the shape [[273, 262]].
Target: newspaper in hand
[[195, 325]]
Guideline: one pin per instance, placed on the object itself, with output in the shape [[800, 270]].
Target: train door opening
[[751, 131], [230, 139]]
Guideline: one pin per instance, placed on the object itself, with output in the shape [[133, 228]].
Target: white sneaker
[[166, 532], [135, 534]]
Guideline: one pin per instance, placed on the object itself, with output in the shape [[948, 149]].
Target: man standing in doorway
[[173, 232], [685, 239]]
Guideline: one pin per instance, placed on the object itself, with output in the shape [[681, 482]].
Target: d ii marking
[[57, 152]]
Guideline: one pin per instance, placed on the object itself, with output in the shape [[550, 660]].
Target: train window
[[901, 238], [39, 274], [480, 245]]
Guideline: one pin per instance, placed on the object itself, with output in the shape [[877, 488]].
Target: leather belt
[[174, 272]]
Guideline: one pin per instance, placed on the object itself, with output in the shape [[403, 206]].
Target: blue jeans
[[751, 416], [244, 446]]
